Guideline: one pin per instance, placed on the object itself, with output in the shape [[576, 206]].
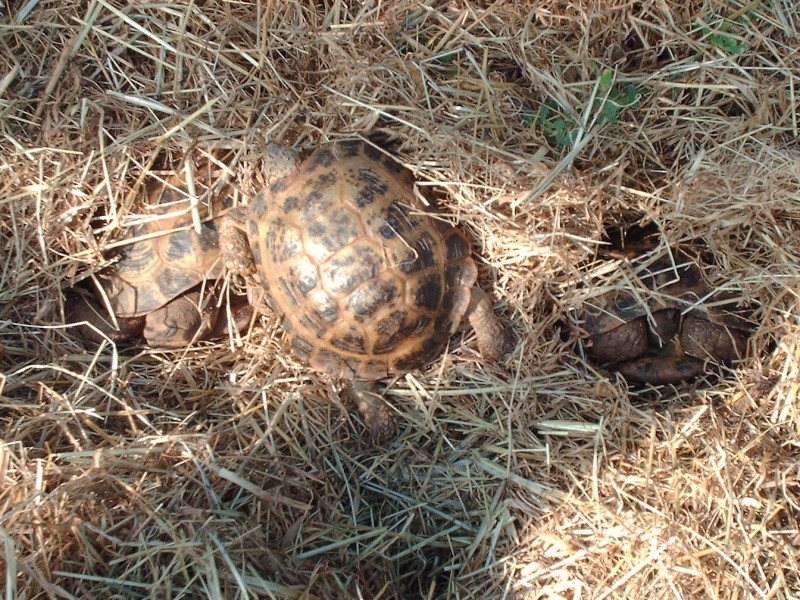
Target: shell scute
[[456, 244], [322, 158], [290, 203], [208, 238], [305, 275], [395, 329], [427, 351], [324, 308], [351, 340], [179, 244], [349, 268], [399, 220], [283, 241], [427, 250], [313, 205], [302, 347], [461, 274], [289, 295], [335, 232], [428, 292], [258, 207], [365, 302]]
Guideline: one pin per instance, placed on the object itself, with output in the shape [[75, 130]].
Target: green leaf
[[724, 42], [630, 96], [606, 79], [608, 112], [528, 118]]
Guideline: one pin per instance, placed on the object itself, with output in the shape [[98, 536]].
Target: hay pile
[[227, 470]]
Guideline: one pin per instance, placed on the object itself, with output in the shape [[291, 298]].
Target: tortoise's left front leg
[[238, 258]]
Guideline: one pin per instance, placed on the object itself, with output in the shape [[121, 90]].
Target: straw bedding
[[229, 470]]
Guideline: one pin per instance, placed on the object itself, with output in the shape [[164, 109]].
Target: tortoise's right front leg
[[495, 340]]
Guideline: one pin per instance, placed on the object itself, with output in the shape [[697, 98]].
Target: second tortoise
[[162, 287], [670, 332]]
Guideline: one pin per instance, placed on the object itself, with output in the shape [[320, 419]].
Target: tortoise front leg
[[494, 339], [83, 310], [277, 162], [233, 243], [238, 258]]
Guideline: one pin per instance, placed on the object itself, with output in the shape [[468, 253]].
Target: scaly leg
[[494, 339], [380, 419]]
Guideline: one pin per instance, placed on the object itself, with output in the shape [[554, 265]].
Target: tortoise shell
[[166, 256], [666, 333], [369, 283]]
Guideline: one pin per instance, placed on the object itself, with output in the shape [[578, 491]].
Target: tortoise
[[671, 337], [369, 283], [160, 288]]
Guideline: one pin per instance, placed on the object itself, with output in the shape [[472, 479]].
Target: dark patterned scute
[[367, 282], [302, 347], [428, 293], [367, 300], [314, 205], [290, 203], [178, 244], [320, 159], [350, 267], [305, 274], [283, 241], [174, 280], [425, 353], [258, 206], [351, 341], [209, 237], [426, 250], [457, 247]]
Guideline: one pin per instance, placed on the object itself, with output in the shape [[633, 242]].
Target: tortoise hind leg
[[494, 339], [380, 419]]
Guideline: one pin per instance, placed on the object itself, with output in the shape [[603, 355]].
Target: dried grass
[[229, 471]]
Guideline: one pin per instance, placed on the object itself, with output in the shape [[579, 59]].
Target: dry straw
[[229, 471]]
